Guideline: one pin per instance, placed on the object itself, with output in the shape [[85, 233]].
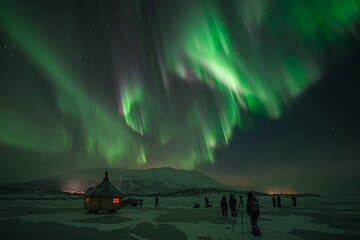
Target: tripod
[[240, 210]]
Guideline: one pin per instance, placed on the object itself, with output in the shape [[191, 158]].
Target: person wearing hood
[[232, 204], [253, 210], [224, 206]]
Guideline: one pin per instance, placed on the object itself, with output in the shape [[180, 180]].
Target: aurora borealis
[[159, 83]]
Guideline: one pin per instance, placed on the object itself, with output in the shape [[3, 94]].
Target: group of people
[[277, 201], [252, 208], [232, 204]]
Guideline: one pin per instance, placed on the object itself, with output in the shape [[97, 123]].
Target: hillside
[[128, 181]]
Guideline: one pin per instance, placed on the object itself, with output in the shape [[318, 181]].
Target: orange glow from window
[[116, 200], [87, 200]]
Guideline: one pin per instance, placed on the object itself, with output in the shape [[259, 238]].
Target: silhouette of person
[[253, 210], [293, 198], [224, 206], [274, 201], [278, 199], [232, 204], [156, 201], [207, 204]]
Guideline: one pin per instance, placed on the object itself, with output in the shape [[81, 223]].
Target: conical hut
[[103, 197]]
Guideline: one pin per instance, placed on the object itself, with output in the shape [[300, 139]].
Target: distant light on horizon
[[281, 190], [72, 192], [73, 186]]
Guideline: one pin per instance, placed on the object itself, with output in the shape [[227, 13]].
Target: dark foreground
[[315, 218]]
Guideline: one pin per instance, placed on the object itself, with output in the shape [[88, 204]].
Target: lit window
[[116, 200], [87, 200]]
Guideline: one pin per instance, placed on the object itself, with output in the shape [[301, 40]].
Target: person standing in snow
[[278, 201], [156, 201], [253, 210], [232, 204], [224, 206], [207, 203], [274, 201], [293, 198]]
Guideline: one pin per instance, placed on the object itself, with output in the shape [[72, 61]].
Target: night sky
[[259, 94]]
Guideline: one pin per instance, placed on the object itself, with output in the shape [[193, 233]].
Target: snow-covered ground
[[314, 218]]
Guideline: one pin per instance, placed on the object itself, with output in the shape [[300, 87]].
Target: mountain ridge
[[140, 181]]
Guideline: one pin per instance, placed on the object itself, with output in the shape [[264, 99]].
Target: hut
[[103, 197]]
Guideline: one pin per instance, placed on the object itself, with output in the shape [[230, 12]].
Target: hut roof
[[104, 189]]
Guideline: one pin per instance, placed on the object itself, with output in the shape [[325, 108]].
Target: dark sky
[[257, 94]]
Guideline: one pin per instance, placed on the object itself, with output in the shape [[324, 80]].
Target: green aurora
[[207, 64]]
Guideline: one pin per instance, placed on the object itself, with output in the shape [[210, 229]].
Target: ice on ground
[[314, 218]]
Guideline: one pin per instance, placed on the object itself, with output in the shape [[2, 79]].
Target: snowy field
[[314, 218]]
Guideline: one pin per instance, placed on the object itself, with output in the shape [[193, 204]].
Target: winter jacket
[[252, 206]]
